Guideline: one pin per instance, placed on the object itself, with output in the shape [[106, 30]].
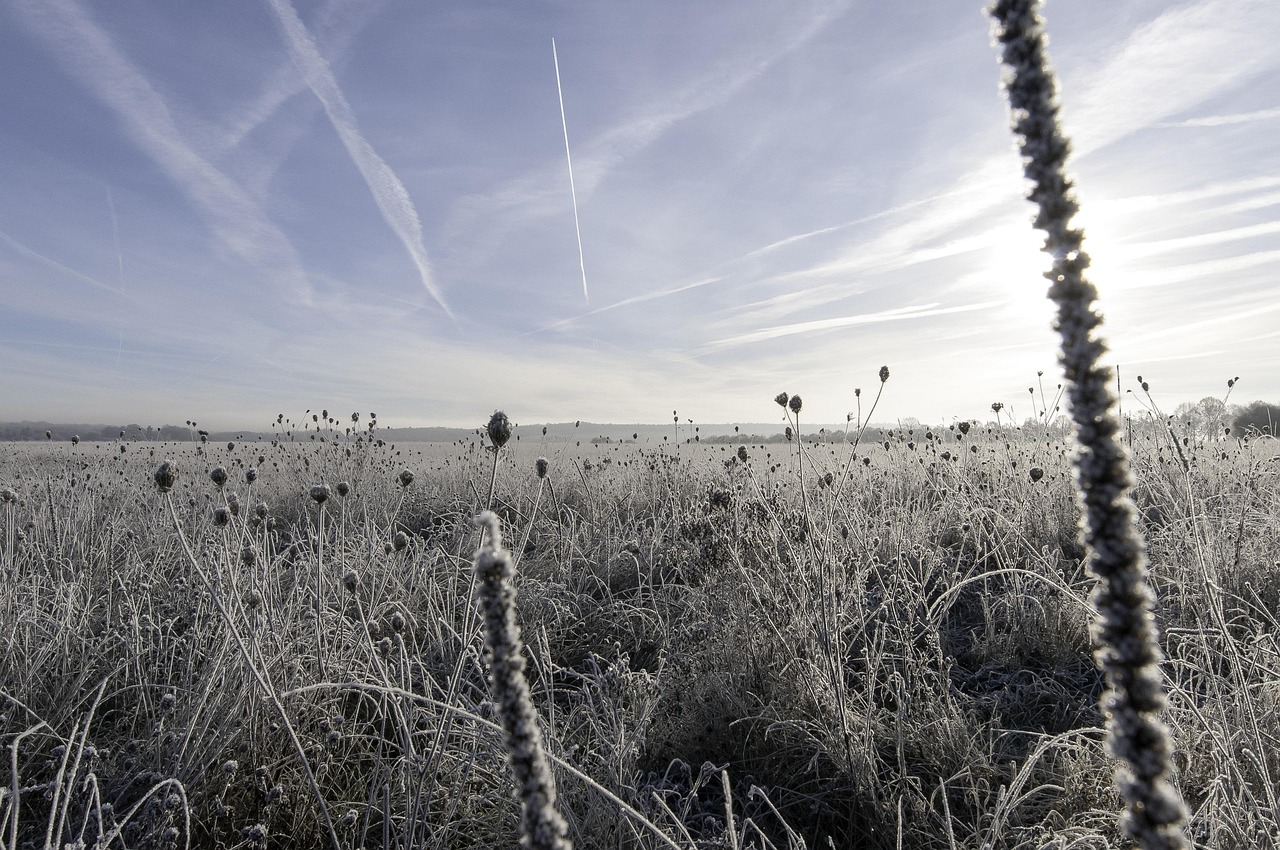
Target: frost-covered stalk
[[1124, 628], [541, 824]]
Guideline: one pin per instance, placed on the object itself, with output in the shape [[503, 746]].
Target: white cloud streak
[[91, 56], [54, 264], [1171, 65], [388, 192], [1224, 120], [821, 325]]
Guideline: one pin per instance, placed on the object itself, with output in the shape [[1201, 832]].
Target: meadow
[[880, 645]]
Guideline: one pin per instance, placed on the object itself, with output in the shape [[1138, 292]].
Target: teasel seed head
[[499, 429], [540, 466]]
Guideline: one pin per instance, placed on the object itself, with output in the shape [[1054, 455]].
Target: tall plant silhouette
[[1125, 633]]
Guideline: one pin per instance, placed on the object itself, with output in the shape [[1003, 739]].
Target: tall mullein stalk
[[1124, 629], [541, 824]]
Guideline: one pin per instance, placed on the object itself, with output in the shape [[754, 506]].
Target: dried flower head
[[781, 399], [400, 542], [499, 429], [221, 516], [540, 466], [884, 374], [405, 477], [1036, 473], [742, 453], [248, 556], [250, 475], [320, 493], [350, 580], [795, 404], [219, 475], [343, 488]]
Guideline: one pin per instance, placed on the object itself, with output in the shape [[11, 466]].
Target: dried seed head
[[781, 399], [343, 488], [397, 621], [248, 556], [261, 510], [351, 580], [541, 466], [221, 516], [742, 453], [795, 404], [219, 475], [884, 374], [400, 542], [250, 475], [1036, 473], [320, 493], [499, 429], [7, 495], [405, 477]]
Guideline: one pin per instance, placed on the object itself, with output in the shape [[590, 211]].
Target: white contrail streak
[[582, 263], [388, 192], [115, 237]]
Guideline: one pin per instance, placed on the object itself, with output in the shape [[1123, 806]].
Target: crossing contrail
[[582, 263]]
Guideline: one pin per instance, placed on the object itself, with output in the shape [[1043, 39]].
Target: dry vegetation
[[886, 645]]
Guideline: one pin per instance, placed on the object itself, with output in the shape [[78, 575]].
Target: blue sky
[[224, 211]]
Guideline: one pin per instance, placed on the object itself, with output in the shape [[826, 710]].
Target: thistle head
[[795, 404], [781, 399]]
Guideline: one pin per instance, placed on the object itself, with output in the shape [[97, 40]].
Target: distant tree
[[1258, 418]]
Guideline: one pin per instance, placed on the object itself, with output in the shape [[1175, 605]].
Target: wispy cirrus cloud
[[1176, 62], [89, 54], [388, 191]]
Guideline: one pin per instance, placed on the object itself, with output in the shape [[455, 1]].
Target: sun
[[1014, 270]]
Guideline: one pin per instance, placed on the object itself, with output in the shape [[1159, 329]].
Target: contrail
[[388, 192], [582, 263], [115, 236]]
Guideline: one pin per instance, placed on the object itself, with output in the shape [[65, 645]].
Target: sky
[[226, 211]]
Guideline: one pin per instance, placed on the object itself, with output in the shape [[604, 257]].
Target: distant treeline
[[1258, 417]]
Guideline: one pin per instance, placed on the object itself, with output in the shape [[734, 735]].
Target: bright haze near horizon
[[225, 211]]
